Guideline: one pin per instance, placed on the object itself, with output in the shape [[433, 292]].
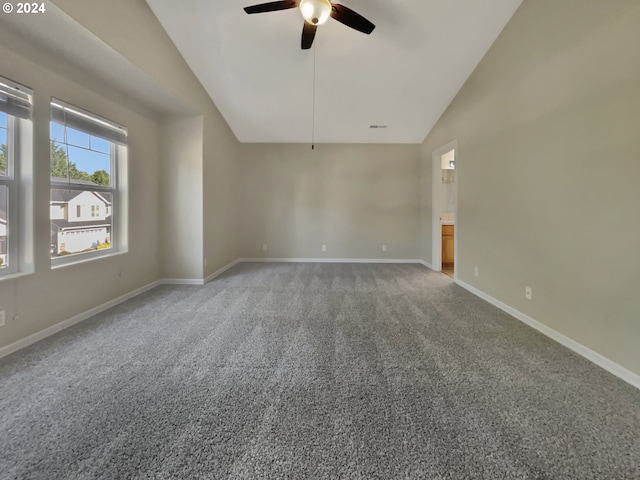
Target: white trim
[[436, 224], [13, 276], [331, 260], [79, 258], [42, 334], [428, 265], [436, 206], [603, 362], [220, 271], [181, 281], [198, 281]]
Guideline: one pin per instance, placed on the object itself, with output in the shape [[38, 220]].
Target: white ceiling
[[403, 75]]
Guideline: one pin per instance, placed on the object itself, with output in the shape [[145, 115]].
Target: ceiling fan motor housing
[[315, 12]]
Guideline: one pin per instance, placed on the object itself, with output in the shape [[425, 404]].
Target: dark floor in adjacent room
[[447, 269], [308, 371]]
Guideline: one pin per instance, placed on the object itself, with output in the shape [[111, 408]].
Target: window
[[88, 155], [15, 111]]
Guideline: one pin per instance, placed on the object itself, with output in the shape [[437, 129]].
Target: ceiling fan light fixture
[[315, 12]]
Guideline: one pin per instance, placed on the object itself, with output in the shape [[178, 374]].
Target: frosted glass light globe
[[315, 12]]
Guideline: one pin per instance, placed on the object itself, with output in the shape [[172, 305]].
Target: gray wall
[[547, 162], [220, 185], [181, 199], [353, 198]]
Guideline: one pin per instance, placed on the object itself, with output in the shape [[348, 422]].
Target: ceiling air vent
[[378, 126]]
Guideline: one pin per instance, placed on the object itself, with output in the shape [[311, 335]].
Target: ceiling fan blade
[[308, 34], [271, 6], [351, 19]]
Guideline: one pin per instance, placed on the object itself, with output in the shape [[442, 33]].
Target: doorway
[[445, 209]]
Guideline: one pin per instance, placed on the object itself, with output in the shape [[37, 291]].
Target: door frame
[[436, 210]]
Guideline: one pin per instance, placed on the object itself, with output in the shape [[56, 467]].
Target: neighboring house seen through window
[[87, 155], [15, 108]]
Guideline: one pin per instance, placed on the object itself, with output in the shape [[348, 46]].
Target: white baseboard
[[428, 265], [42, 334], [198, 281], [603, 362], [221, 270], [331, 260], [181, 281]]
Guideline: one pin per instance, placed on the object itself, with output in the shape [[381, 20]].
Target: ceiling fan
[[316, 12]]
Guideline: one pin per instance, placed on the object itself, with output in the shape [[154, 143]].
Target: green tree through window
[[61, 167], [101, 177], [3, 158]]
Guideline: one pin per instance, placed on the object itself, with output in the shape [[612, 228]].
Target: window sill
[[15, 275], [83, 258]]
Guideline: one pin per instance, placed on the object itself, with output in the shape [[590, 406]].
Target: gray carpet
[[308, 371]]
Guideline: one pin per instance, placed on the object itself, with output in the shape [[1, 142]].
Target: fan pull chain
[[313, 108]]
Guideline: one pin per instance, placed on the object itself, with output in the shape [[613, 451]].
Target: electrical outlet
[[205, 261], [476, 272], [528, 293], [1, 318], [264, 247], [324, 247], [384, 248]]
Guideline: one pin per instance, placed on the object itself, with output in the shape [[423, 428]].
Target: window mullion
[[9, 181], [15, 187]]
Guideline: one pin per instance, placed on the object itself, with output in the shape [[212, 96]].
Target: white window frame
[[117, 189], [10, 182], [18, 104]]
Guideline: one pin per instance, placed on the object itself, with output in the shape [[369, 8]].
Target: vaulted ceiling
[[401, 76]]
